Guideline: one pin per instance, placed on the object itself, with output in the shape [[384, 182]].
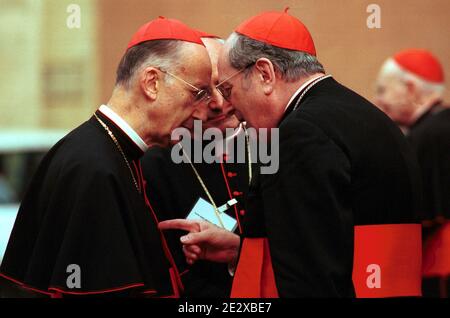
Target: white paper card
[[203, 210]]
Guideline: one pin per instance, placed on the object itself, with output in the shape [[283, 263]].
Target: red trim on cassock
[[185, 272], [254, 277], [230, 196], [177, 284], [105, 291], [436, 253], [24, 286], [57, 292], [387, 260]]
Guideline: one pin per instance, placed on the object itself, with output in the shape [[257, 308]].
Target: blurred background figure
[[410, 85], [410, 89]]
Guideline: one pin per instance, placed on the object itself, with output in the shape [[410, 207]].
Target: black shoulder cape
[[83, 208]]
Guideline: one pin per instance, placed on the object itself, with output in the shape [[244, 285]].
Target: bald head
[[213, 46], [220, 111]]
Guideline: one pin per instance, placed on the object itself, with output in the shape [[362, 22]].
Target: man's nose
[[216, 102]]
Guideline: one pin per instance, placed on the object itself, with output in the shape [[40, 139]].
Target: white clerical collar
[[304, 85], [123, 125]]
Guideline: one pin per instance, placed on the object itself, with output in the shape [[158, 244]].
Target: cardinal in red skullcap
[[332, 214], [410, 90], [86, 226], [409, 84]]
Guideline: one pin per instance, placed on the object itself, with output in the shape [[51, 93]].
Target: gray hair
[[292, 65], [164, 54]]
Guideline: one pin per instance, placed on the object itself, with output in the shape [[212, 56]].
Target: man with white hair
[[409, 85], [410, 89]]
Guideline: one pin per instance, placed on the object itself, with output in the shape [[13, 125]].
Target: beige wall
[[48, 72], [347, 48], [20, 86], [69, 62], [53, 76]]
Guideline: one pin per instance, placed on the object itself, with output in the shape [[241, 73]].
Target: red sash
[[387, 260], [254, 276], [436, 250], [387, 263]]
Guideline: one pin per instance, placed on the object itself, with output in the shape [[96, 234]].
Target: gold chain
[[317, 80], [216, 211], [116, 142], [202, 183]]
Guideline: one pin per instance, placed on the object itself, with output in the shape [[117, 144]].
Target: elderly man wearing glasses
[[85, 226], [174, 189]]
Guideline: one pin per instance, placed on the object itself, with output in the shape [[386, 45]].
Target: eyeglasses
[[199, 94], [226, 91]]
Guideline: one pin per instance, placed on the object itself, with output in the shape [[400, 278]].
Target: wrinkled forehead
[[196, 65]]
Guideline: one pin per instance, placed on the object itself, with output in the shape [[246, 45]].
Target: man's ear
[[266, 74], [149, 82]]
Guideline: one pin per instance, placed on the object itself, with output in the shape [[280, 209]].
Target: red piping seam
[[150, 292], [36, 290], [185, 272], [62, 291], [175, 279], [140, 175], [163, 239], [140, 182], [168, 254], [25, 286], [59, 290], [229, 194]]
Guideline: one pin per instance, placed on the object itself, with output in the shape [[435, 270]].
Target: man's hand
[[205, 241]]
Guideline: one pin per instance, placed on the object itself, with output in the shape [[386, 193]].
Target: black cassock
[[173, 189], [430, 137], [343, 164], [82, 208]]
